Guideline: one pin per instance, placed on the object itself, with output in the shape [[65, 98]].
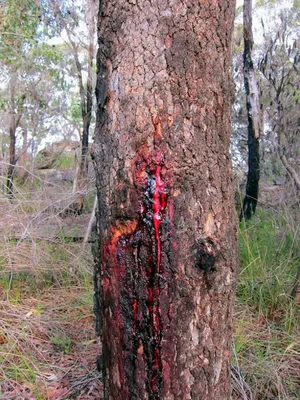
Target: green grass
[[268, 264], [31, 319], [266, 336], [62, 343]]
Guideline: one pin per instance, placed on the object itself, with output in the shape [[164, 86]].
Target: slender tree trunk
[[254, 118], [88, 232], [23, 158], [87, 112], [14, 121], [12, 136], [167, 254], [86, 99], [12, 155]]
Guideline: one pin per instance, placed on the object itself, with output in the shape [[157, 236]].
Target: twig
[[89, 228], [83, 382]]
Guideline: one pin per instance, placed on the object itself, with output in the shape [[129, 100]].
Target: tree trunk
[[166, 219], [12, 155], [87, 111], [12, 135], [15, 114], [23, 172], [254, 118], [86, 96], [86, 99]]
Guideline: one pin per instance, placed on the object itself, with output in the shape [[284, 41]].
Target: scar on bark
[[205, 253], [121, 228]]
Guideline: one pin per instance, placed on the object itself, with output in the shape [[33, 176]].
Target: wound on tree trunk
[[166, 264]]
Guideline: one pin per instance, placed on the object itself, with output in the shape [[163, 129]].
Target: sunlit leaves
[[19, 20]]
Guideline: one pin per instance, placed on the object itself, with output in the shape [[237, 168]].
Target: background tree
[[30, 77], [166, 218], [280, 68], [274, 22], [19, 21], [255, 123], [69, 22]]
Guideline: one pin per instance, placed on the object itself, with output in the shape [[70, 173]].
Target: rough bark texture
[[254, 118], [166, 219]]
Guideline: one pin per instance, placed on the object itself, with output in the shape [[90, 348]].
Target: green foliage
[[22, 370], [76, 111], [46, 54], [18, 24], [269, 259], [3, 103]]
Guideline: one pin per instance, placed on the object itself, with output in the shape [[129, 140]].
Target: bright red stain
[[159, 204], [160, 199], [153, 210], [130, 236]]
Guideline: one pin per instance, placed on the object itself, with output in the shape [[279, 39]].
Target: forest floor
[[48, 346]]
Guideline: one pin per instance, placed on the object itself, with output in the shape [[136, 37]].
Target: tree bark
[[167, 253], [254, 118]]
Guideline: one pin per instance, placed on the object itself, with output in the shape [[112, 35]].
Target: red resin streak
[[160, 199], [159, 204], [154, 206]]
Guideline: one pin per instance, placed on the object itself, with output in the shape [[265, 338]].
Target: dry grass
[[268, 356], [267, 319], [47, 339], [48, 346]]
